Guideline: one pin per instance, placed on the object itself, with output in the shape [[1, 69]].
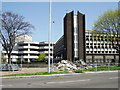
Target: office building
[[78, 44], [100, 49]]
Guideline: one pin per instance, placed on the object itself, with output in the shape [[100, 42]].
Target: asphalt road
[[86, 80]]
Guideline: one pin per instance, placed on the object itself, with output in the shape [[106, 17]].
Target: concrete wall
[[69, 36], [104, 57]]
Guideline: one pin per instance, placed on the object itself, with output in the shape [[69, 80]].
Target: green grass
[[39, 73], [103, 68], [78, 71]]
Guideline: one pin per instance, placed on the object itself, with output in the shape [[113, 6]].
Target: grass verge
[[33, 74], [78, 71], [103, 69], [64, 72]]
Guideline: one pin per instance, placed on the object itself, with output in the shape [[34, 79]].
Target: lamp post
[[52, 45], [49, 34]]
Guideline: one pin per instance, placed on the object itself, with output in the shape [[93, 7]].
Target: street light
[[52, 44], [49, 34]]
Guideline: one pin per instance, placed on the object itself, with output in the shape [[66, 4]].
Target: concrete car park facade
[[27, 50]]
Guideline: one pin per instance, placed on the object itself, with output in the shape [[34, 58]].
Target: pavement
[[35, 70], [24, 70]]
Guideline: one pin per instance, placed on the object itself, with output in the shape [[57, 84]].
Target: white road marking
[[6, 85], [68, 81], [113, 78], [1, 85]]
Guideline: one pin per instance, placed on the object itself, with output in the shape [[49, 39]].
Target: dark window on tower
[[87, 43], [95, 46], [87, 46], [95, 51], [106, 51], [91, 46], [87, 39]]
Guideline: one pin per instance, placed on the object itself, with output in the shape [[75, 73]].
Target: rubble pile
[[65, 65]]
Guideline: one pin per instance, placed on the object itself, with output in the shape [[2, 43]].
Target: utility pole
[[49, 34]]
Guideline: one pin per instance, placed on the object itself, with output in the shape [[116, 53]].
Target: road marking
[[68, 81], [113, 78], [1, 85], [6, 85]]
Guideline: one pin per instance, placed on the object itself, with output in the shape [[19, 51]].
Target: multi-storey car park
[[27, 50], [79, 44]]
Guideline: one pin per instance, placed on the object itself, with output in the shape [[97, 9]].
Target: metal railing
[[101, 67]]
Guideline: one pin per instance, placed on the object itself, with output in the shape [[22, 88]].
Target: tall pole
[[52, 46], [49, 34]]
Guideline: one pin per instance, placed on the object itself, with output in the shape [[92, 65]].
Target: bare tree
[[13, 25]]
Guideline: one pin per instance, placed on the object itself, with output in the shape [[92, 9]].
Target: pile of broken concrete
[[64, 65]]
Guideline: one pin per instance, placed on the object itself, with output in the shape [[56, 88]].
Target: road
[[85, 80]]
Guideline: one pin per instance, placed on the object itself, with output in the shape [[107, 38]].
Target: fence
[[34, 65], [9, 67], [101, 67]]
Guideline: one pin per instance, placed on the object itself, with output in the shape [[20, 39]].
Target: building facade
[[99, 49], [28, 50], [74, 32], [78, 43]]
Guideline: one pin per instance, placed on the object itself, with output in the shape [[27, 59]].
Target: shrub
[[40, 58], [78, 71]]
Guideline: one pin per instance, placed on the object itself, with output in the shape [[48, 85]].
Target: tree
[[3, 59], [13, 26], [40, 58], [19, 61], [108, 25]]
